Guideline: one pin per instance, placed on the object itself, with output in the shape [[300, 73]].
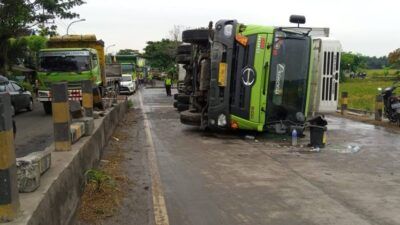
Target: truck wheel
[[182, 107], [184, 49], [198, 36], [176, 96], [184, 99], [175, 104], [47, 108], [183, 59], [191, 118]]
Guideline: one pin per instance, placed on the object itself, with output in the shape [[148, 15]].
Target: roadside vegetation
[[105, 186], [25, 27], [380, 73], [362, 92]]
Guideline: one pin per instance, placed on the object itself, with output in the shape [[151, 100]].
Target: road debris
[[115, 138]]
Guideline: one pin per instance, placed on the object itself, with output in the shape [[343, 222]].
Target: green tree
[[19, 17], [128, 52], [352, 62], [394, 58], [35, 44], [161, 54]]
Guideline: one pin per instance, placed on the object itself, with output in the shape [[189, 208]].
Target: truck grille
[[330, 75]]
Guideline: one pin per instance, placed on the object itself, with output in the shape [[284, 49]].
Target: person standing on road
[[150, 80], [168, 84]]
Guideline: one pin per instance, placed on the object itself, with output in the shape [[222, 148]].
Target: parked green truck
[[72, 59], [251, 77]]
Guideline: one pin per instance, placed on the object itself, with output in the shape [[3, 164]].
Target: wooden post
[[378, 107], [344, 103], [9, 197], [61, 117]]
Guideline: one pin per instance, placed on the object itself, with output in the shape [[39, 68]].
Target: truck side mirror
[[299, 19]]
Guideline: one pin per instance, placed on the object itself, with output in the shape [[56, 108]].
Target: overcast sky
[[369, 27]]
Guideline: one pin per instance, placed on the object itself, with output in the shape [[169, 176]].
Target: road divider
[[87, 97], [61, 117], [9, 197], [378, 107], [30, 168], [344, 102], [56, 193], [51, 195]]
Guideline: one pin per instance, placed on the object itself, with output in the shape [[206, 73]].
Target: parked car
[[127, 84], [20, 98]]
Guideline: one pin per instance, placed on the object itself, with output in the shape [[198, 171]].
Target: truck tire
[[190, 118], [176, 96], [184, 99], [197, 36], [175, 104], [184, 49], [183, 59], [182, 107], [47, 108]]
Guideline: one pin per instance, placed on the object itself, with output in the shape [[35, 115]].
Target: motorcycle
[[391, 103]]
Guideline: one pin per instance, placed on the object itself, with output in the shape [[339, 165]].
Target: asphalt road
[[34, 131], [210, 178]]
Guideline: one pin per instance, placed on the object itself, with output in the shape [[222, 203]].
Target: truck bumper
[[73, 95]]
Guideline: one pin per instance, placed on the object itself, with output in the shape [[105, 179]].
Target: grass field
[[362, 92], [381, 73]]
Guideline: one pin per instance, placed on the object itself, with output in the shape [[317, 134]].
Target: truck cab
[[71, 65], [269, 76], [71, 59]]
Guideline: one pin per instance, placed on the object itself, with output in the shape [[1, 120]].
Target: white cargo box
[[326, 74]]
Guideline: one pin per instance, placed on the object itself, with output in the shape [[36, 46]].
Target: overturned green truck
[[257, 77]]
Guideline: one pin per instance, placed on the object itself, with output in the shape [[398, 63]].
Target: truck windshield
[[64, 62], [287, 87], [127, 68]]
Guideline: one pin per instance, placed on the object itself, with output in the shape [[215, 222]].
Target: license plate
[[396, 105], [222, 74]]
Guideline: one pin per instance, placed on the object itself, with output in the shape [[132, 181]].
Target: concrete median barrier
[[89, 124], [57, 197], [30, 168], [77, 131]]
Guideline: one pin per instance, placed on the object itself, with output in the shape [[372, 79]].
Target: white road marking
[[160, 209]]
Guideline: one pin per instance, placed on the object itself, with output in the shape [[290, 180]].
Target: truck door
[[249, 81]]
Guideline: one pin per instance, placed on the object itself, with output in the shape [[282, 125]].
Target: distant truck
[[128, 64], [72, 59]]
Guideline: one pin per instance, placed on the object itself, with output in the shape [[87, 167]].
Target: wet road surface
[[34, 131], [210, 178]]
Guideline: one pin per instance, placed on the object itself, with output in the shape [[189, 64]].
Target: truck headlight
[[222, 120], [228, 29]]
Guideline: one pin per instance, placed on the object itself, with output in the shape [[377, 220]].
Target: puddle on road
[[350, 148]]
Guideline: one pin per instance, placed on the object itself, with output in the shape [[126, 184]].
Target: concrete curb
[[56, 199]]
